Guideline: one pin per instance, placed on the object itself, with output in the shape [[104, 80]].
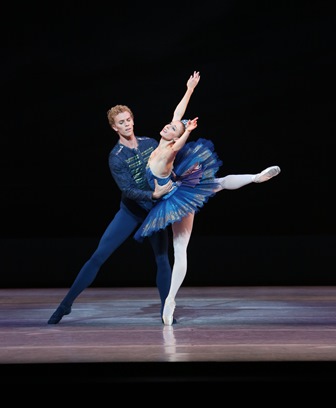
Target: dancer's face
[[173, 130]]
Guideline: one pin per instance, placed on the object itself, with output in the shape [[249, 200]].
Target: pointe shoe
[[267, 174], [59, 313], [168, 312], [174, 321]]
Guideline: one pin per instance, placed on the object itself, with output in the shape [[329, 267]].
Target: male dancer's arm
[[144, 196]]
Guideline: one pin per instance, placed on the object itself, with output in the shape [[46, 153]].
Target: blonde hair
[[115, 110]]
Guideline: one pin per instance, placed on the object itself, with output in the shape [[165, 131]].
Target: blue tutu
[[195, 168]]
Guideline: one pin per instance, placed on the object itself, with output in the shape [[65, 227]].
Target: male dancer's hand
[[160, 191]]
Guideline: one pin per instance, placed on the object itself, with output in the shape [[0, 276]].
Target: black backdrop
[[266, 97]]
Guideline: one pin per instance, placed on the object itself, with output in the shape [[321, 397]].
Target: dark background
[[266, 97]]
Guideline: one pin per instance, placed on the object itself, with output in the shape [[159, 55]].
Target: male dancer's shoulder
[[148, 141]]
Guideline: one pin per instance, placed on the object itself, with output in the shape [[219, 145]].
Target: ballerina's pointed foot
[[61, 311], [168, 312], [267, 174]]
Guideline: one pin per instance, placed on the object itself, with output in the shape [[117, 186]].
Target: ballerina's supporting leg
[[181, 236]]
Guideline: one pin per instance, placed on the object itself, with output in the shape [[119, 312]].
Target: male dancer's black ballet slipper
[[59, 313]]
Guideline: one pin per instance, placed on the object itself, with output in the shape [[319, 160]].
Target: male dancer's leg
[[159, 242], [119, 229]]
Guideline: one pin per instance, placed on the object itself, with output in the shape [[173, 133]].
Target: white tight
[[181, 236], [182, 231], [234, 181]]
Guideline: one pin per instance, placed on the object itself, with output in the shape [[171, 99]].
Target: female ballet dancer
[[192, 167]]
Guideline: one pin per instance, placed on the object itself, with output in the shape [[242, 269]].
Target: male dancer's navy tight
[[119, 229]]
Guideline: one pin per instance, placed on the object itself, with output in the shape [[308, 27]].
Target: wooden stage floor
[[222, 334]]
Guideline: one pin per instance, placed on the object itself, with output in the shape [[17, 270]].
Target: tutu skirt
[[195, 168]]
